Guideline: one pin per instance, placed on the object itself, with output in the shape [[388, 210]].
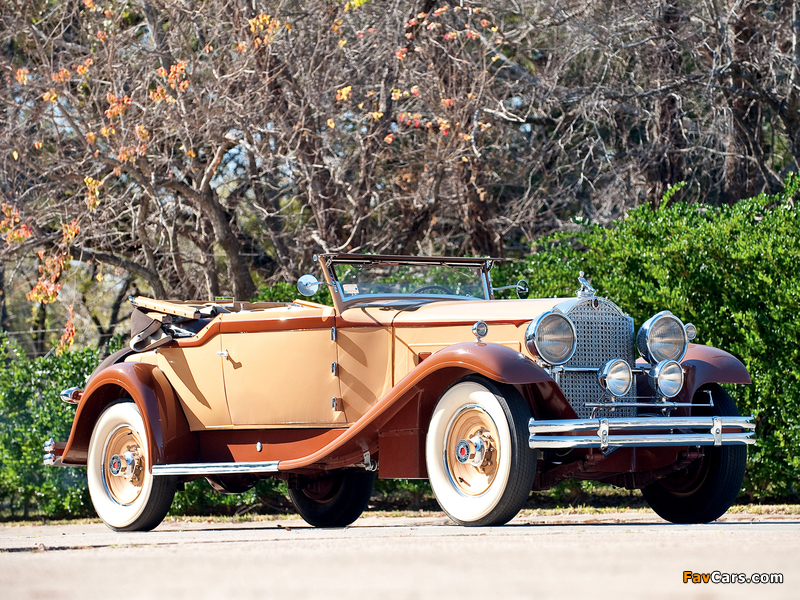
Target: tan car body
[[314, 387]]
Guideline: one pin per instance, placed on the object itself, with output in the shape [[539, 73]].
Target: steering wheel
[[425, 288]]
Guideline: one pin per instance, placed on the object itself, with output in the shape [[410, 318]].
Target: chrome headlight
[[552, 337], [662, 337], [616, 377], [666, 378]]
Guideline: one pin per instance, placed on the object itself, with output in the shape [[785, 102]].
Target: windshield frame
[[399, 300]]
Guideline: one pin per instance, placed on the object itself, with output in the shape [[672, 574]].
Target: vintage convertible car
[[414, 372]]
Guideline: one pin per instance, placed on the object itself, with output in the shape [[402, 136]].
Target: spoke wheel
[[479, 463], [124, 492], [705, 490], [335, 499]]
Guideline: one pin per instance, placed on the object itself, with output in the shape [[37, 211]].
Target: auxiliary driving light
[[666, 378], [616, 377]]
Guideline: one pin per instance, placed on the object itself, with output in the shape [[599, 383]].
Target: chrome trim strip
[[619, 441], [602, 432], [657, 405], [567, 425], [216, 468]]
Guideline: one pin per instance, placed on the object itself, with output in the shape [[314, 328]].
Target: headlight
[[666, 378], [662, 337], [616, 377], [552, 337]]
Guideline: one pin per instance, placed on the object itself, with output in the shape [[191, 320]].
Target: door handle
[[223, 353]]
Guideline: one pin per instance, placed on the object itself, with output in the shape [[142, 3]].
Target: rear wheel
[[335, 499], [705, 490], [479, 463], [124, 492]]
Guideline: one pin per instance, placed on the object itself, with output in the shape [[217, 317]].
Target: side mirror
[[308, 285], [522, 289]]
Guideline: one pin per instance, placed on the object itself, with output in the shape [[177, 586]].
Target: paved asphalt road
[[631, 555]]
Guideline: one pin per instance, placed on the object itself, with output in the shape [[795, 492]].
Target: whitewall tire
[[479, 463], [124, 492]]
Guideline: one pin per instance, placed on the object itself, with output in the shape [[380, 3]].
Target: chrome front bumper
[[650, 431]]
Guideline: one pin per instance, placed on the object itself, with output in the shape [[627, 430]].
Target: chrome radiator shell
[[604, 333]]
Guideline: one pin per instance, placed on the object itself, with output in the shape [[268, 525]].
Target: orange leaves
[[50, 96], [90, 5], [93, 192], [415, 90], [69, 232], [401, 53], [441, 10], [161, 95], [176, 78], [485, 22], [68, 337], [10, 225], [117, 105], [389, 138], [107, 131], [396, 94], [61, 76], [260, 23], [266, 27], [447, 102], [344, 93], [91, 137], [22, 76], [376, 115], [129, 153], [241, 47], [102, 35], [50, 269], [331, 124], [409, 119], [142, 133]]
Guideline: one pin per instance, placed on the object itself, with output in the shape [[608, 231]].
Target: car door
[[364, 338], [280, 367]]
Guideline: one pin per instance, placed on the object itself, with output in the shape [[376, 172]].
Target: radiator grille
[[603, 334]]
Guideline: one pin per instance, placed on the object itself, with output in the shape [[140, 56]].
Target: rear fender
[[168, 436]]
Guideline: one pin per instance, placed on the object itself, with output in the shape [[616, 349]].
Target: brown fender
[[705, 364], [428, 380], [168, 436]]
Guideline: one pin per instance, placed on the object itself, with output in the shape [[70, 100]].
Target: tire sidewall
[[459, 506], [115, 515]]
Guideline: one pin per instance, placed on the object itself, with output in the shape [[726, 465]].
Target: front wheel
[[124, 492], [705, 490], [479, 463], [335, 499]]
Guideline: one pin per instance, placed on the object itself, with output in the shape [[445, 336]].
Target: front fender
[[166, 429]]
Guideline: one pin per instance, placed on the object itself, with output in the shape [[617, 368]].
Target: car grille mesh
[[603, 334]]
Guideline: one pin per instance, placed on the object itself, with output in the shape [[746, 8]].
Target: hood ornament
[[586, 288]]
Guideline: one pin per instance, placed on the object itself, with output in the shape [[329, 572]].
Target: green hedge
[[730, 270], [30, 413]]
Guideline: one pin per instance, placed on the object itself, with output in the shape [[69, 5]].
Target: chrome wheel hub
[[472, 451], [124, 465]]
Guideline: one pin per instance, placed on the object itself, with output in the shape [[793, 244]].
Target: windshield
[[378, 281]]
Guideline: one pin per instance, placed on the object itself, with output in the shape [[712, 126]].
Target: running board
[[225, 468]]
